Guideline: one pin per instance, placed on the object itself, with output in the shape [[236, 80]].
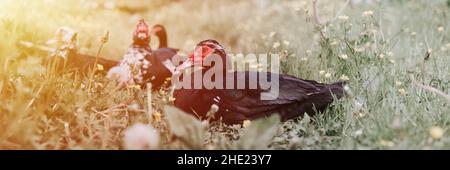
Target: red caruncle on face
[[200, 53]]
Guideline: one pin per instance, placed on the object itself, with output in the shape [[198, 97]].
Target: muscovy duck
[[135, 61], [66, 38], [65, 51], [142, 65], [295, 96]]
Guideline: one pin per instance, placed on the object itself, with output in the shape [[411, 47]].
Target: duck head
[[208, 52], [141, 35]]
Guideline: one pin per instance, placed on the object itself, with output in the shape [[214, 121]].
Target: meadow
[[394, 54]]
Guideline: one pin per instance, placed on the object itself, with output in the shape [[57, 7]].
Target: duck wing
[[293, 98], [286, 90], [157, 73]]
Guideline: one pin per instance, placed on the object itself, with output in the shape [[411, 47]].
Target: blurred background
[[243, 25]]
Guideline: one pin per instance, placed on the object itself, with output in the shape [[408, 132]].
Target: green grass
[[42, 109]]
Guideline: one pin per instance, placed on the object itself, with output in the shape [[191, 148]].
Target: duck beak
[[142, 36]]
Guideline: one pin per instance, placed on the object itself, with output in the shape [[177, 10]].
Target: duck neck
[[162, 36]]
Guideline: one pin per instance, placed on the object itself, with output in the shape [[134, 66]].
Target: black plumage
[[296, 97], [84, 63], [159, 72], [161, 32], [67, 57]]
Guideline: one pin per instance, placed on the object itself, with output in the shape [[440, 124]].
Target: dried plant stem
[[116, 107], [149, 102], [317, 18], [94, 67], [320, 22], [98, 55], [115, 90], [36, 96], [103, 42], [30, 45], [423, 86], [429, 88], [1, 86], [340, 11], [184, 141]]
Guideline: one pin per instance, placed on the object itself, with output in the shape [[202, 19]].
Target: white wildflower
[[402, 92], [360, 50], [246, 123], [344, 78], [272, 34], [214, 108], [308, 52], [344, 56], [343, 18], [121, 74], [276, 44], [141, 137], [367, 13], [387, 143], [436, 132], [390, 54], [322, 72]]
